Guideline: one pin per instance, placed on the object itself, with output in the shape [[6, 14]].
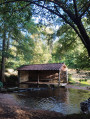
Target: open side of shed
[[55, 73]]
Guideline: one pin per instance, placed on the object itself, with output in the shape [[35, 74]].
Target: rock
[[85, 106]]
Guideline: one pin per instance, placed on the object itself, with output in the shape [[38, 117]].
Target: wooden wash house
[[55, 73]]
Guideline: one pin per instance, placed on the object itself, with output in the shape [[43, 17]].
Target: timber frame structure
[[55, 73]]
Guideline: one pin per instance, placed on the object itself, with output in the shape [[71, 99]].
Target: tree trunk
[[3, 68], [3, 56], [86, 39], [8, 41]]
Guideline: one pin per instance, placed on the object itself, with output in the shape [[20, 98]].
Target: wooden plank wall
[[23, 76]]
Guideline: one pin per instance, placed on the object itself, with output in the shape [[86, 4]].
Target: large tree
[[69, 49], [11, 23], [70, 11]]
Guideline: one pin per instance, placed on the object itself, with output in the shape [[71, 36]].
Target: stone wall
[[63, 76]]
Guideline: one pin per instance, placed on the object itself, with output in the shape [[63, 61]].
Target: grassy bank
[[79, 77], [78, 82]]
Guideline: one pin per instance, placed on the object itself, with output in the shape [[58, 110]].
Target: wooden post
[[59, 78], [38, 77], [18, 76], [67, 76]]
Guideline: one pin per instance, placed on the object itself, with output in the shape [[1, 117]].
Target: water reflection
[[66, 101]]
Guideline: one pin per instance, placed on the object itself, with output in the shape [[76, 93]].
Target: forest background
[[31, 35]]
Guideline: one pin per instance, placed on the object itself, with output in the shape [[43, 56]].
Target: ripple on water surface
[[66, 101]]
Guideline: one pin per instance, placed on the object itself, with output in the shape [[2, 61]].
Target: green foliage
[[40, 53], [30, 49], [84, 83], [1, 84], [11, 25], [83, 80], [27, 43], [83, 60], [22, 52], [69, 77], [70, 80], [70, 50]]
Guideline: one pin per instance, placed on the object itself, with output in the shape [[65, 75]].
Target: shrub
[[85, 79], [1, 84], [82, 80]]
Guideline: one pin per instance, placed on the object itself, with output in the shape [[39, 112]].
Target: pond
[[66, 101]]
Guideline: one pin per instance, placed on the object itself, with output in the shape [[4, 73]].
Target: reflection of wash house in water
[[55, 73]]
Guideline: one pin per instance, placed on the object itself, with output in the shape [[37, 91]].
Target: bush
[[1, 84], [80, 80], [83, 80]]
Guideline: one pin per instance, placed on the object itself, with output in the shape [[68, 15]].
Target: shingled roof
[[54, 66]]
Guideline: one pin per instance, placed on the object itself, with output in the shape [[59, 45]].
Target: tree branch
[[56, 9], [65, 9], [86, 8], [58, 14], [11, 1], [22, 7], [59, 3], [83, 6], [75, 7]]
